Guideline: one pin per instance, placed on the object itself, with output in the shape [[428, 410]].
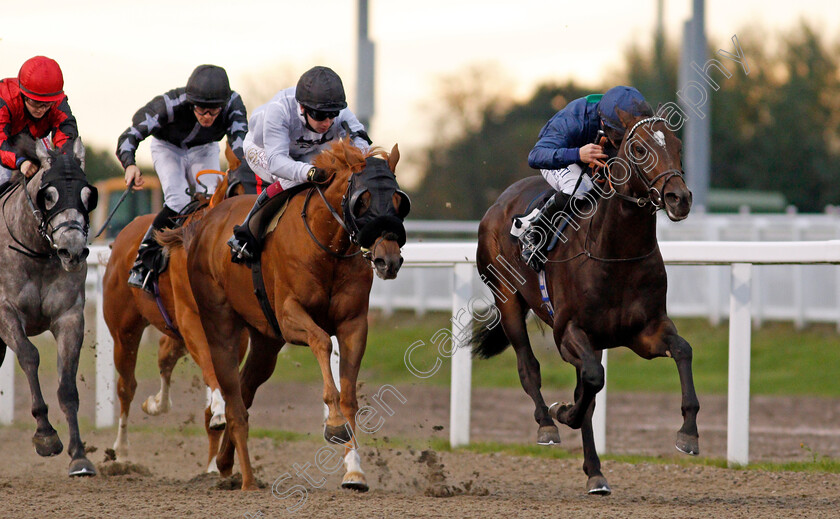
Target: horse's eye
[[638, 150]]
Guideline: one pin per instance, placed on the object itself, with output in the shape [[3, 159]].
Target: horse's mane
[[24, 145], [343, 155], [173, 238]]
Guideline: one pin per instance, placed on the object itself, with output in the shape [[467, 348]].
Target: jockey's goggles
[[38, 105], [203, 111], [321, 115]]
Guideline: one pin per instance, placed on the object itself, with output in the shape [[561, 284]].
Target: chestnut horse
[[605, 284], [318, 285], [129, 310]]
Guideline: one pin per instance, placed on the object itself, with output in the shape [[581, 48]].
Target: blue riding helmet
[[628, 99]]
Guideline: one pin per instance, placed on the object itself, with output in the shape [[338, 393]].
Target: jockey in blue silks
[[566, 145]]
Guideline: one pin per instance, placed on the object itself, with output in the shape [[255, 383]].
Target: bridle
[[654, 198], [337, 218], [45, 227]]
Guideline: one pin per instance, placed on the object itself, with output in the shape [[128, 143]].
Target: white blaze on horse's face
[[659, 137]]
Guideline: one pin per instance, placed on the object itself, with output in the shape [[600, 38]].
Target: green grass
[[785, 361]]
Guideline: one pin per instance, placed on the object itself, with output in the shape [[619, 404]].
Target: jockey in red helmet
[[33, 103]]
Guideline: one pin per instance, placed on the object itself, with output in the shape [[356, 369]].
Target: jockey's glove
[[317, 175]]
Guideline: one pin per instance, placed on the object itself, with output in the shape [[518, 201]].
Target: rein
[[335, 216]]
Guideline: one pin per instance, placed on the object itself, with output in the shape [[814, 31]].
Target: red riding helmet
[[40, 78]]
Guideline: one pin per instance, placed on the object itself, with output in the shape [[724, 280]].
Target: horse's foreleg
[[576, 349], [169, 352], [661, 339], [688, 438], [597, 483], [69, 333], [352, 339], [46, 440], [299, 328], [513, 321]]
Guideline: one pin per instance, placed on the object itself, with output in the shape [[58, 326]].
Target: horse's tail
[[172, 238], [488, 339]]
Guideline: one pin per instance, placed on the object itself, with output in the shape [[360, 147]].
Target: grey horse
[[43, 250]]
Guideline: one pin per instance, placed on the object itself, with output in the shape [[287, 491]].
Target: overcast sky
[[116, 55]]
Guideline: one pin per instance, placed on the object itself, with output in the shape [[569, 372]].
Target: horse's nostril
[[379, 263], [401, 261]]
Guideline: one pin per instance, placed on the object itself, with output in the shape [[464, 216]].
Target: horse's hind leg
[[170, 351], [513, 321], [69, 333], [223, 337], [46, 439], [258, 367], [126, 335]]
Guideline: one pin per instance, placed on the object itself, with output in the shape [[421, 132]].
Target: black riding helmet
[[320, 88], [208, 86]]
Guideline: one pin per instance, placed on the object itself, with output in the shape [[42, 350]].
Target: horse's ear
[[43, 153], [393, 158], [79, 152], [626, 119], [233, 160]]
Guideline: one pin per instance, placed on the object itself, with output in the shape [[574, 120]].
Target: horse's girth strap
[[262, 296]]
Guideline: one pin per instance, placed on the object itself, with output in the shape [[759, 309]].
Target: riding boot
[[149, 262], [245, 242], [537, 230]]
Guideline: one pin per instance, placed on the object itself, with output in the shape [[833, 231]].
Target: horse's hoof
[[217, 422], [548, 435], [151, 406], [81, 467], [338, 434], [49, 445], [557, 409], [688, 444], [597, 485], [355, 481]]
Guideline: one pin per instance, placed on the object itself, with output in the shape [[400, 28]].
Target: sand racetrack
[[405, 477]]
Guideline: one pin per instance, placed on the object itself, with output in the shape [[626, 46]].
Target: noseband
[[45, 227], [654, 197]]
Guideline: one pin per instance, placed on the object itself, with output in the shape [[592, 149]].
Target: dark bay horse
[[318, 285], [606, 284], [129, 310], [43, 250]]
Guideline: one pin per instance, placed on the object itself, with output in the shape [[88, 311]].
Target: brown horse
[[605, 284], [318, 285], [129, 310]]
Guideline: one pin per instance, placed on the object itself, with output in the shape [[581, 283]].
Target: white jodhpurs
[[177, 168], [565, 179]]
